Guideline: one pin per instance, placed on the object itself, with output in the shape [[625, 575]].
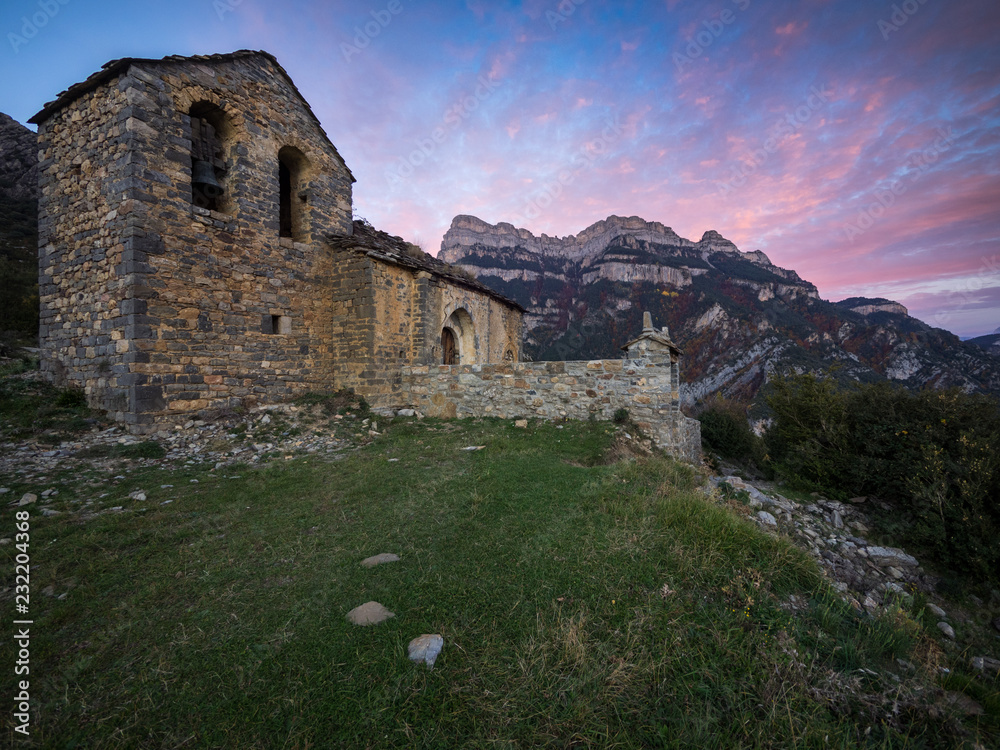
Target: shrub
[[726, 431], [620, 416], [71, 398], [931, 456]]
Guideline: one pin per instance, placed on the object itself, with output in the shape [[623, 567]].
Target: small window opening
[[275, 324], [285, 200], [293, 193]]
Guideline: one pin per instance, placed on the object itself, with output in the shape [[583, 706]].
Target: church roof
[[391, 249]]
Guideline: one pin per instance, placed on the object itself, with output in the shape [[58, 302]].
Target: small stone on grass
[[385, 557], [369, 613], [426, 648]]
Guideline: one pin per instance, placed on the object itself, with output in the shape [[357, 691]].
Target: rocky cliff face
[[18, 161], [738, 317], [18, 227]]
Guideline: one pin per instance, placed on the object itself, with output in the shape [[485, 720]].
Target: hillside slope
[[737, 316]]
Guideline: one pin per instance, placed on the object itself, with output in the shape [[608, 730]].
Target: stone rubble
[[266, 433], [869, 576], [250, 438]]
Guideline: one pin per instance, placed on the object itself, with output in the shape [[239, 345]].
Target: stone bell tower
[[657, 348]]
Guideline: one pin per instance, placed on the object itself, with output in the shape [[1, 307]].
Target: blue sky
[[856, 142]]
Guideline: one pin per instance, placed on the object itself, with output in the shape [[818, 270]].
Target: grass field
[[582, 604]]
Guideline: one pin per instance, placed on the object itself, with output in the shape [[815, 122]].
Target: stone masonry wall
[[386, 316], [86, 224], [154, 305], [552, 390]]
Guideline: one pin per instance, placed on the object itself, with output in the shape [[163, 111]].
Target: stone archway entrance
[[458, 339], [448, 347]]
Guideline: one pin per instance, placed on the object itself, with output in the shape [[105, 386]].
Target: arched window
[[293, 193], [211, 140]]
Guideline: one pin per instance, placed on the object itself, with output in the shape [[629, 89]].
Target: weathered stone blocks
[[598, 387]]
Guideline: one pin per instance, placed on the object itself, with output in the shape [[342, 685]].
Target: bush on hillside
[[930, 455], [725, 430]]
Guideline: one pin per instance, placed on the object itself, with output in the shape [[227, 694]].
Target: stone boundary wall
[[554, 390]]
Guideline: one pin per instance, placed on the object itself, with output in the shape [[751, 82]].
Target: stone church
[[197, 251]]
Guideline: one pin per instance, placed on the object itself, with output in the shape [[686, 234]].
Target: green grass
[[582, 604], [32, 408]]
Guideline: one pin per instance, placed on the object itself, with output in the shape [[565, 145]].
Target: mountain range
[[737, 316]]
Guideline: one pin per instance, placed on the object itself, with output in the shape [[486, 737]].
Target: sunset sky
[[857, 142]]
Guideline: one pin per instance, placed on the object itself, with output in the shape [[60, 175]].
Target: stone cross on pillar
[[647, 321]]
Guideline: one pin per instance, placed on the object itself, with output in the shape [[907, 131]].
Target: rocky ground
[[871, 577], [92, 463]]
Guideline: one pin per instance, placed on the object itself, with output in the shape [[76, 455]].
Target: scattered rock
[[766, 518], [963, 703], [867, 577], [947, 629], [892, 555], [27, 499], [858, 500], [936, 611], [369, 613], [426, 648], [137, 495], [985, 664], [385, 557], [521, 423], [4, 490], [406, 413]]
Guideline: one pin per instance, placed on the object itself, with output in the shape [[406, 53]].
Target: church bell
[[203, 178]]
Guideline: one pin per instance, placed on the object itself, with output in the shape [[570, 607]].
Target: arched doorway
[[448, 347], [458, 339]]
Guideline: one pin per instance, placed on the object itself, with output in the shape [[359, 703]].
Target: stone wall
[[387, 316], [86, 212], [552, 390], [155, 305]]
